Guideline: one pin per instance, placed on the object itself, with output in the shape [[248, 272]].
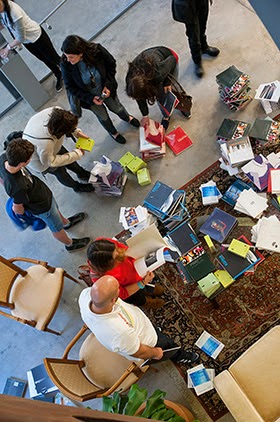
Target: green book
[[86, 144], [208, 285]]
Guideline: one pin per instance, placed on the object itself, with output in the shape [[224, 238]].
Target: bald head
[[103, 291]]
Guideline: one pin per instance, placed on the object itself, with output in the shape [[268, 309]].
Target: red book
[[178, 140]]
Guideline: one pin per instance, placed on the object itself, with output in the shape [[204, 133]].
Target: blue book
[[219, 225], [236, 265], [160, 199], [233, 192], [184, 239]]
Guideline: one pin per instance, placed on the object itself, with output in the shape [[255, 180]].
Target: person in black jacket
[[194, 14], [147, 78], [88, 71]]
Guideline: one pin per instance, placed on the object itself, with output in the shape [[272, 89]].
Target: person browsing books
[[47, 130], [123, 328], [108, 257], [147, 78], [89, 73]]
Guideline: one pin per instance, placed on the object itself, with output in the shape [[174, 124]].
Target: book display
[[269, 96], [108, 177], [234, 88]]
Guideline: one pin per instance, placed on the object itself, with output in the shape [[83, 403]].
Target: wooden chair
[[97, 373], [32, 295]]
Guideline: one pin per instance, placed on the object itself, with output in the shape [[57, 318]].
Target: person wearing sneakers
[[29, 193], [89, 74], [29, 33], [124, 328], [147, 78], [47, 130], [194, 14], [107, 257]]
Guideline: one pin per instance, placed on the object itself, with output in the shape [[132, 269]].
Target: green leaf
[[154, 402], [157, 415], [136, 397], [116, 401], [176, 418], [107, 403], [123, 401]]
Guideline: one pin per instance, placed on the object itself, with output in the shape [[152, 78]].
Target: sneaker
[[119, 138], [155, 291], [153, 303], [199, 71], [211, 51], [165, 123], [75, 219], [59, 83], [134, 122], [78, 244], [85, 175], [84, 187], [187, 357]]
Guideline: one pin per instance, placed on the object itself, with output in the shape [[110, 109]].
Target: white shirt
[[122, 330]]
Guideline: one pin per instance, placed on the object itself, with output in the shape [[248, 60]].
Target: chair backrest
[[8, 274]]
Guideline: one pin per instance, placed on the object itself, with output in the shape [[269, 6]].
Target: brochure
[[86, 144], [209, 344], [199, 379]]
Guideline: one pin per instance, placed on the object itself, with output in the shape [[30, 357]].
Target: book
[[197, 263], [224, 278], [211, 375], [199, 379], [85, 143], [232, 193], [39, 382], [219, 225], [160, 199], [15, 387], [154, 132], [167, 102], [265, 129], [234, 264], [233, 129], [183, 239], [268, 235], [251, 203], [269, 96], [274, 181], [239, 151], [209, 344], [258, 254], [147, 248], [209, 285], [131, 216], [239, 248], [210, 193], [178, 140]]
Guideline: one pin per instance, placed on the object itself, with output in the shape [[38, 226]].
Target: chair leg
[[49, 330], [70, 277]]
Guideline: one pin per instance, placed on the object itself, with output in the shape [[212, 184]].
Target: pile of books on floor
[[108, 177], [210, 193], [265, 131], [266, 234], [152, 145], [269, 96], [167, 204], [234, 88], [135, 219]]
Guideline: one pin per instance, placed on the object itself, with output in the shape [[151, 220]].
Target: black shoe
[[85, 175], [165, 123], [185, 114], [84, 187], [199, 70], [211, 51], [119, 138], [59, 83], [134, 122], [78, 244], [187, 357], [75, 219]]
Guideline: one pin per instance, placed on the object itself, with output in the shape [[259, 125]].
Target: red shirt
[[124, 272]]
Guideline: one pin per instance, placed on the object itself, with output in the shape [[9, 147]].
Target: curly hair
[[61, 122], [73, 44], [19, 151], [100, 255]]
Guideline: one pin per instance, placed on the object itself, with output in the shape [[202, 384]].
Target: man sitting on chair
[[124, 328]]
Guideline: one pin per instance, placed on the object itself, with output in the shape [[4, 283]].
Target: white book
[[209, 344], [251, 202], [200, 379], [268, 236], [275, 181], [210, 372]]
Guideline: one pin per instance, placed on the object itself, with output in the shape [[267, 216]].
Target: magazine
[[199, 379], [209, 345]]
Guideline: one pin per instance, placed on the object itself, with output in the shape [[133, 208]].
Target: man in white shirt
[[123, 328]]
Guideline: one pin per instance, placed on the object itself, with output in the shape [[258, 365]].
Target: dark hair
[[61, 122], [19, 151], [7, 9], [73, 44], [11, 137], [100, 255], [141, 83]]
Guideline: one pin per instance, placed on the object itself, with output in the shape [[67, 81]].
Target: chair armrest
[[235, 400], [74, 341], [34, 261], [132, 368], [22, 320]]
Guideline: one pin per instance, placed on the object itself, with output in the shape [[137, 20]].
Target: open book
[[147, 248]]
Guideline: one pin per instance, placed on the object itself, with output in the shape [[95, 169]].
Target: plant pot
[[179, 409]]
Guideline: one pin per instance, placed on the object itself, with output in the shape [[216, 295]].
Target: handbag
[[185, 100]]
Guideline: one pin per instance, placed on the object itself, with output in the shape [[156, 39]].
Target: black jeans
[[114, 105], [44, 50], [61, 173], [138, 298], [196, 31]]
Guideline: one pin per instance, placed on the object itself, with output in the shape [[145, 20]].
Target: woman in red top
[[107, 256]]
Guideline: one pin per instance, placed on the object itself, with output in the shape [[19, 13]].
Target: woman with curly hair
[[89, 73]]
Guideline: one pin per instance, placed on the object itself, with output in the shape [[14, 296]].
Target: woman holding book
[[108, 257], [147, 79], [89, 73]]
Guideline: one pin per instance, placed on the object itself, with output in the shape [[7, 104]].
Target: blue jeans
[[52, 218]]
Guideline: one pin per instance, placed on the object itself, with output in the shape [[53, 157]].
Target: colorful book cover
[[197, 263], [219, 225], [265, 129], [257, 170], [233, 129], [178, 140], [184, 239], [234, 264]]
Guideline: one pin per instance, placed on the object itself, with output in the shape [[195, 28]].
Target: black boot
[[199, 71]]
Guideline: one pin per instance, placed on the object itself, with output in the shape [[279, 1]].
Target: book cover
[[258, 254], [239, 151], [197, 263], [200, 379], [39, 382], [167, 102], [15, 387], [160, 199], [234, 264], [146, 146], [178, 140], [233, 192], [233, 129], [257, 170], [219, 225], [86, 144], [239, 248], [224, 278], [209, 284], [209, 344], [183, 238], [265, 129]]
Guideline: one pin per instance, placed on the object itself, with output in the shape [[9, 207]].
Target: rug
[[245, 311]]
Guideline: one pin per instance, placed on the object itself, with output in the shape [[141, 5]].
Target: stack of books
[[251, 203], [150, 151], [265, 130], [257, 171], [269, 96], [108, 177], [234, 88], [210, 193], [209, 285], [266, 234]]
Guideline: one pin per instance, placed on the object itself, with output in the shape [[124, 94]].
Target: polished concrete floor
[[237, 31]]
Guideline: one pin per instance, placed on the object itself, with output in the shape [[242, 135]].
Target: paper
[[209, 345]]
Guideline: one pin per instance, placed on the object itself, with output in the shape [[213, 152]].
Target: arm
[[133, 288], [147, 352], [47, 157], [110, 68]]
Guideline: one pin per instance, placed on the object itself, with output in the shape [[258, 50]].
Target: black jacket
[[186, 11], [105, 64]]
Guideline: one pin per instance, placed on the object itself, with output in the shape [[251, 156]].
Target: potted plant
[[153, 407]]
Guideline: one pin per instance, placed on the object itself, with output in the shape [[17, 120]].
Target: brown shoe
[[156, 291], [154, 303]]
